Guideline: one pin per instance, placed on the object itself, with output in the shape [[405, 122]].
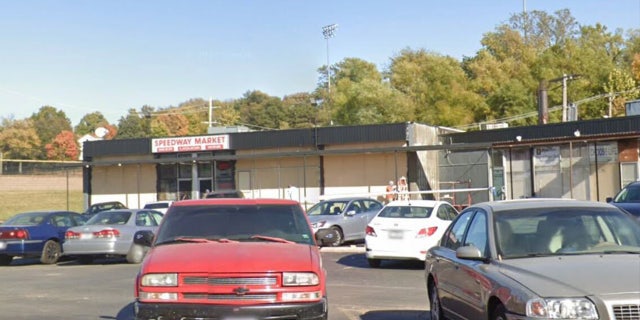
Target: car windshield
[[26, 219], [271, 223], [158, 205], [109, 217], [328, 208], [553, 231], [409, 212], [628, 194]]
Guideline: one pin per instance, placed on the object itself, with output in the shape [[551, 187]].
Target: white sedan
[[405, 230]]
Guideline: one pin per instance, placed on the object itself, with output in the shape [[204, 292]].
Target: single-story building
[[588, 160]]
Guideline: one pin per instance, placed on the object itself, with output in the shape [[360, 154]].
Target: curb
[[344, 249]]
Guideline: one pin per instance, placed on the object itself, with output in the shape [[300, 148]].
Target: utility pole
[[211, 122], [210, 112], [564, 98], [565, 78], [543, 103]]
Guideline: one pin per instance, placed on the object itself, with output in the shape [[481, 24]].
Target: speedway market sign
[[190, 144]]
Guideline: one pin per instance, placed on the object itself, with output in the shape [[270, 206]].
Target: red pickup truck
[[231, 259]]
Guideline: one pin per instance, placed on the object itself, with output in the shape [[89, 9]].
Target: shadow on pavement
[[359, 260], [396, 315], [126, 313]]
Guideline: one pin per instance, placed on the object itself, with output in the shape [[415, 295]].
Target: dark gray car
[[537, 259]]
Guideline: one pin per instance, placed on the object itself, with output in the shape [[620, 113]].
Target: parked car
[[103, 206], [161, 206], [536, 259], [110, 234], [628, 199], [335, 221], [405, 230], [36, 234], [225, 194], [232, 259]]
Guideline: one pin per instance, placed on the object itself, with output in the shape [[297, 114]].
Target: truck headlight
[[160, 280], [562, 308], [300, 279]]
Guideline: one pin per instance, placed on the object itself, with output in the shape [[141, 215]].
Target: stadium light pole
[[328, 32]]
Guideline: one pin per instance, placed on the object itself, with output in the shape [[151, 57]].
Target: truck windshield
[[236, 222]]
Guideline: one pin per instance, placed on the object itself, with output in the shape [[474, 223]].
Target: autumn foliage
[[63, 147]]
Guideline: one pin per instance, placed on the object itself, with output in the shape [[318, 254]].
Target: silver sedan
[[537, 259], [110, 234], [335, 221]]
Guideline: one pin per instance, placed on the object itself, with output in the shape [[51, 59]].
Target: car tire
[[136, 254], [499, 313], [50, 252], [338, 236], [374, 263], [435, 308], [5, 260], [85, 259]]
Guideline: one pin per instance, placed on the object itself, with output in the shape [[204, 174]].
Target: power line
[[554, 108]]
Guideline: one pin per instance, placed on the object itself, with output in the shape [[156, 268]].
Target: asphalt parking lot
[[104, 290]]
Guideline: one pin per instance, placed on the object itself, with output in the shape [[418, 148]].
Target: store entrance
[[192, 178]]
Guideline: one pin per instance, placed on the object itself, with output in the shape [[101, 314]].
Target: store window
[[188, 176]]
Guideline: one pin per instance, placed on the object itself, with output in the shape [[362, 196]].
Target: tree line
[[498, 84]]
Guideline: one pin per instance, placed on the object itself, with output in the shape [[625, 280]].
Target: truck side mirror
[[143, 238]]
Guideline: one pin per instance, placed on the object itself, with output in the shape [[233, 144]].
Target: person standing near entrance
[[391, 192], [403, 188], [292, 193]]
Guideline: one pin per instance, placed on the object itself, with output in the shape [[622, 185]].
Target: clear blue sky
[[82, 56]]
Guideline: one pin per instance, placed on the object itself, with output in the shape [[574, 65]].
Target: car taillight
[[426, 232], [18, 234], [370, 231], [72, 235], [107, 233]]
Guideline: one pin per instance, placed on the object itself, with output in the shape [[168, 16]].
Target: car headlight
[[562, 308], [300, 279], [319, 224], [160, 280]]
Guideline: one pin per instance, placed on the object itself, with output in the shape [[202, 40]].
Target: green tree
[[622, 88], [300, 110], [90, 122], [49, 122], [259, 110], [64, 147], [19, 139], [437, 85], [135, 124]]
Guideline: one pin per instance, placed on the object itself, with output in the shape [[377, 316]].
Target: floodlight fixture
[[328, 31]]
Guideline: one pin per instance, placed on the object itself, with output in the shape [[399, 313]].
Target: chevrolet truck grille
[[264, 281]]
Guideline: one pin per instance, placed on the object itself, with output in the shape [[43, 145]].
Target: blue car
[[628, 199], [36, 234]]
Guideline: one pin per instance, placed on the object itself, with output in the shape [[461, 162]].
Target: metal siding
[[621, 125], [268, 139], [116, 147], [272, 139], [469, 166], [362, 134]]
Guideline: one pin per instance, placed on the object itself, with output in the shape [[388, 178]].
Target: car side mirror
[[350, 213], [469, 253], [143, 238], [609, 199]]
